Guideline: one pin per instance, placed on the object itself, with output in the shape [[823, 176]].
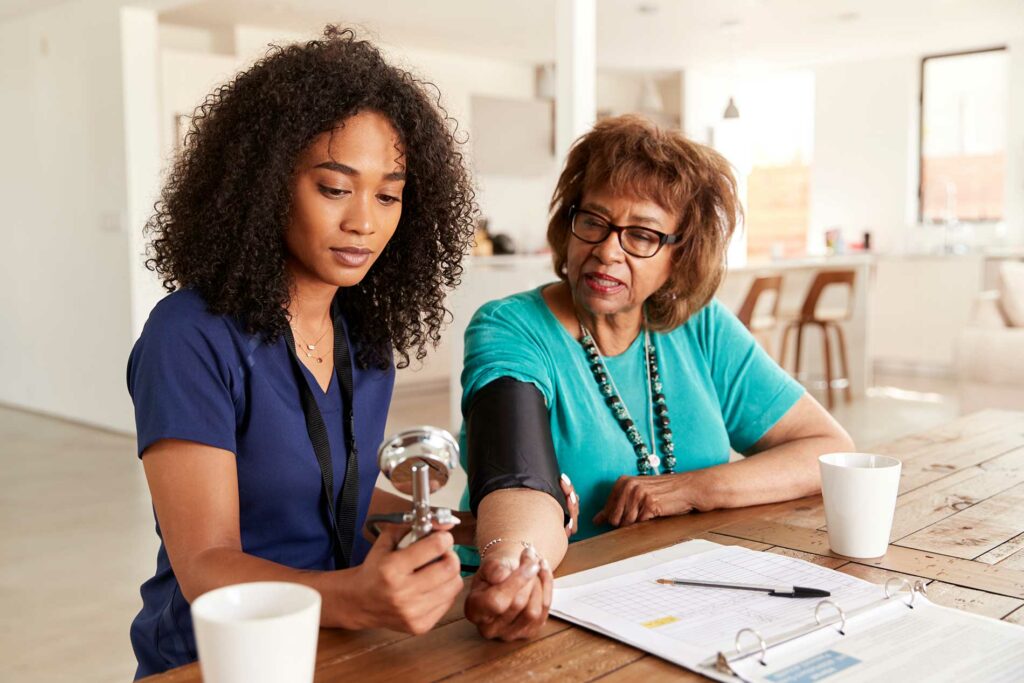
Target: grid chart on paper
[[710, 617]]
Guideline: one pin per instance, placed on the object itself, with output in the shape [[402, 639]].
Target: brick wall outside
[[778, 202], [978, 180]]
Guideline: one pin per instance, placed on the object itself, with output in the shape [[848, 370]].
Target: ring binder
[[760, 640], [722, 662], [918, 587], [836, 607]]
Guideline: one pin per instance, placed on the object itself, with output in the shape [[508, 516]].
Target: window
[[963, 137], [779, 112]]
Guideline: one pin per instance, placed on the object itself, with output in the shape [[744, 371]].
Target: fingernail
[[574, 498], [568, 525], [565, 478], [544, 564], [533, 569]]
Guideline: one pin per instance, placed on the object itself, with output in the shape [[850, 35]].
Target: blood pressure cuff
[[508, 434]]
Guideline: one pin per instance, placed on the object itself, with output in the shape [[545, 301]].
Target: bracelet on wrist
[[495, 541]]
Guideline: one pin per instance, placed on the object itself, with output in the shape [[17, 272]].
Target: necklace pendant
[[653, 461], [311, 347], [319, 360]]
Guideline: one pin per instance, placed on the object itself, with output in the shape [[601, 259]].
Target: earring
[[564, 270]]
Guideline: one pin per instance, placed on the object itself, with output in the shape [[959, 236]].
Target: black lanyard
[[342, 514]]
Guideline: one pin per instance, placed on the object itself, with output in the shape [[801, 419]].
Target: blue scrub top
[[201, 377]]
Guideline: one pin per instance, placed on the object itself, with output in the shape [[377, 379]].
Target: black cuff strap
[[508, 434]]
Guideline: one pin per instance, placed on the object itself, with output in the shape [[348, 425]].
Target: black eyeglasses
[[634, 240]]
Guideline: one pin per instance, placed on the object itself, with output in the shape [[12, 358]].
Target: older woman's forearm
[[784, 472], [521, 515]]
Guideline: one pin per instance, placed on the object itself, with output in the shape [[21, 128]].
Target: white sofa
[[990, 351]]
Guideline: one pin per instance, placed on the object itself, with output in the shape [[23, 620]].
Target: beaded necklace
[[647, 461]]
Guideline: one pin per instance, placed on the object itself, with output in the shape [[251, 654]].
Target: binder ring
[[918, 587], [842, 614], [903, 583], [760, 640]]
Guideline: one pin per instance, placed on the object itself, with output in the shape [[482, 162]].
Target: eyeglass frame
[[663, 238]]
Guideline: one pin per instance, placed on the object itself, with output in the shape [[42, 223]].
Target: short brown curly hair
[[219, 225], [630, 155]]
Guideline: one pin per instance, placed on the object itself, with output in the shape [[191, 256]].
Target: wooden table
[[959, 525]]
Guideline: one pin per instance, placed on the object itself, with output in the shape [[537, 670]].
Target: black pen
[[777, 591]]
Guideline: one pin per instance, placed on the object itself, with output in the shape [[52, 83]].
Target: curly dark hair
[[219, 225]]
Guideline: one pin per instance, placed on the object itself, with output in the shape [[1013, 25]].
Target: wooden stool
[[762, 326], [826, 319]]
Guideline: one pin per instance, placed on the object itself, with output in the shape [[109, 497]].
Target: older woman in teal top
[[647, 382]]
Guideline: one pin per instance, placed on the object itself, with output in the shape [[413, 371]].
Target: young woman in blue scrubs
[[308, 234]]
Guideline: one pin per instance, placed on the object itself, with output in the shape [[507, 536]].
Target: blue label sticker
[[816, 668]]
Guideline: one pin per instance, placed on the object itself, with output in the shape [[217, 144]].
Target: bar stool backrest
[[771, 284], [823, 280]]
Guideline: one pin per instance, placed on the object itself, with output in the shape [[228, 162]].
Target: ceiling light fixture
[[731, 111]]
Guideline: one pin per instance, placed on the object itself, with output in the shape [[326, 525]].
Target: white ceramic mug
[[860, 499], [263, 632]]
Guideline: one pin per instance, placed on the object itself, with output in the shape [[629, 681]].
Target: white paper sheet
[[688, 625]]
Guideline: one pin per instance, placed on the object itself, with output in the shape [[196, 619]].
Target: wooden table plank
[[921, 507], [444, 651], [980, 424], [976, 529], [952, 494], [333, 645], [731, 540], [992, 578], [970, 600], [823, 560], [878, 575], [941, 593], [660, 533], [651, 669], [571, 655], [943, 459], [1009, 554]]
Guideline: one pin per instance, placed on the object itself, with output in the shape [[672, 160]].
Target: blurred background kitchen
[[879, 147]]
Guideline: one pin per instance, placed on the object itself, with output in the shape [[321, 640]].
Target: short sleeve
[[501, 341], [753, 391], [180, 384]]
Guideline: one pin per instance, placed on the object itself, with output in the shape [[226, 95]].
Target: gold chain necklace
[[305, 347]]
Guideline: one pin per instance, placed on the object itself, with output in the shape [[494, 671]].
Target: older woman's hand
[[638, 499], [508, 602]]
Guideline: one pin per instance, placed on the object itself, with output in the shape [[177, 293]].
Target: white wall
[[516, 205], [65, 295], [864, 175]]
